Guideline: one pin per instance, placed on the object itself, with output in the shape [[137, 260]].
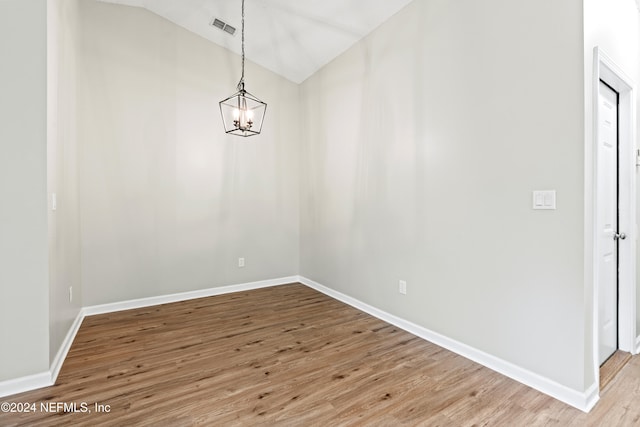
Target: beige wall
[[422, 145], [62, 168], [412, 156], [168, 202], [24, 293]]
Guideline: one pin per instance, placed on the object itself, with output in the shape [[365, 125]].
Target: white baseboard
[[637, 346], [591, 397], [48, 378], [184, 296], [584, 401], [56, 365], [580, 400], [22, 384]]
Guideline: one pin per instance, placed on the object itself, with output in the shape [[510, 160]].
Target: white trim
[[580, 400], [56, 365], [592, 396], [637, 346], [606, 70], [184, 296], [48, 378], [22, 384]]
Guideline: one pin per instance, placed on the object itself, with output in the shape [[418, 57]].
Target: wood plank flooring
[[612, 367], [288, 356]]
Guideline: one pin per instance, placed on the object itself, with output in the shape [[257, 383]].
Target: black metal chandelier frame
[[242, 113]]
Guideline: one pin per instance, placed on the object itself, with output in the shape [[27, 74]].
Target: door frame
[[606, 70]]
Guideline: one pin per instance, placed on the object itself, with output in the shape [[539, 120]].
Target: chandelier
[[242, 112]]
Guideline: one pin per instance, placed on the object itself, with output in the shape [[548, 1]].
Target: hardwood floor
[[288, 356], [612, 367]]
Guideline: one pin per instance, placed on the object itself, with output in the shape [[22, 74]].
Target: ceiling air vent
[[223, 26]]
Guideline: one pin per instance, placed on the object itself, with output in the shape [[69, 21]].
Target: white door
[[607, 213]]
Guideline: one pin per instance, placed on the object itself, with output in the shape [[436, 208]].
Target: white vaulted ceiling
[[293, 38]]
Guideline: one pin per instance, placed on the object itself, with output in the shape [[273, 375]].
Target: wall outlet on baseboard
[[240, 262], [70, 293], [402, 287]]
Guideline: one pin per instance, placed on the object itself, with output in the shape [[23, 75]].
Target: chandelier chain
[[242, 113], [241, 82]]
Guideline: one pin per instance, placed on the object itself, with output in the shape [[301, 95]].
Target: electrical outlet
[[402, 287], [70, 293], [240, 262]]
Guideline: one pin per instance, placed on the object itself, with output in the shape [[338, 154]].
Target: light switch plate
[[544, 199]]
